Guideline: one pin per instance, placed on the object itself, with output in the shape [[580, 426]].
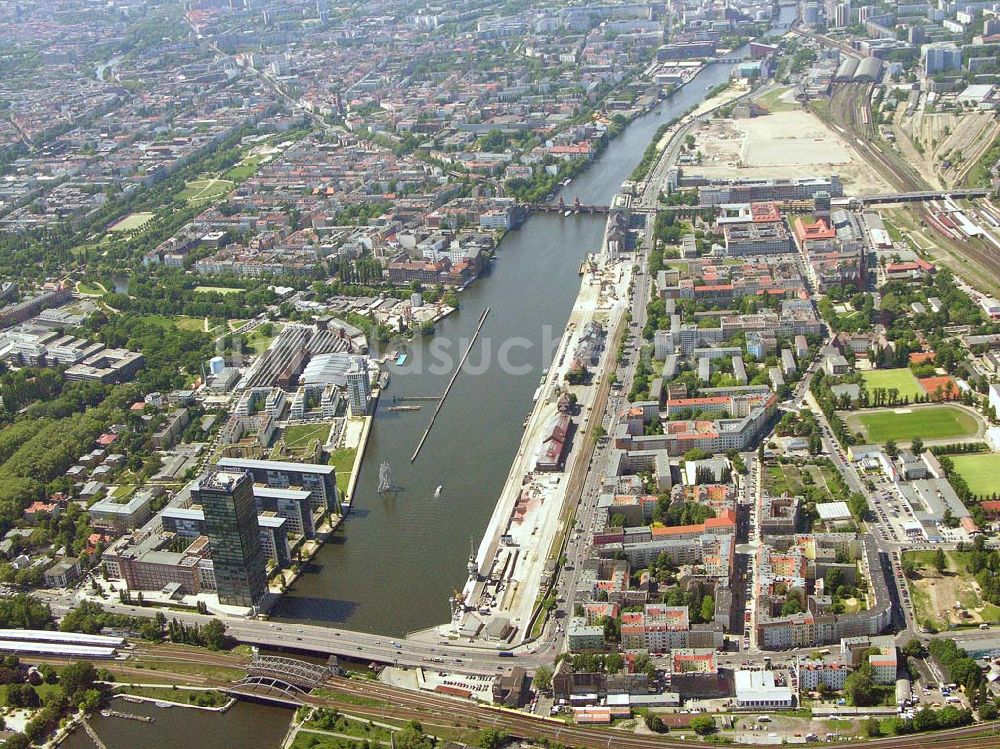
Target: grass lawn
[[309, 740], [91, 289], [783, 478], [258, 340], [980, 471], [183, 322], [217, 289], [838, 724], [211, 671], [774, 102], [853, 605], [902, 379], [201, 697], [349, 699], [44, 691], [793, 479], [132, 221], [324, 720], [245, 169], [903, 424], [343, 461], [124, 491], [207, 188], [178, 321], [300, 435]]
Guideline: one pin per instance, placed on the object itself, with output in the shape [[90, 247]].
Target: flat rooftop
[[276, 465]]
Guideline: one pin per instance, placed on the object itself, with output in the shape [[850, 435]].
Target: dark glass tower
[[231, 521]]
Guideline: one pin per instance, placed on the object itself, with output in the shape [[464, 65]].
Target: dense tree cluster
[[168, 352], [958, 666], [41, 450], [24, 612], [681, 513], [927, 719], [820, 389], [172, 292], [27, 385]]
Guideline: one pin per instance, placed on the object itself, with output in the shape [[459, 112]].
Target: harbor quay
[[516, 560]]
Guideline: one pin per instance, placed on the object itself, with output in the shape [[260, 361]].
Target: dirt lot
[[791, 143], [935, 594]]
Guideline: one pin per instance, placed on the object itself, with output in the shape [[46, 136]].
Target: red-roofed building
[[95, 538], [553, 449], [106, 440], [909, 271], [597, 715], [969, 525], [815, 232], [37, 510], [714, 404], [765, 212], [575, 151], [686, 661]]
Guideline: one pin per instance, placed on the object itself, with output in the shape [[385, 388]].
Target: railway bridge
[[284, 679], [923, 195]]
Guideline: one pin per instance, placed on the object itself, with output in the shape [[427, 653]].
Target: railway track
[[432, 710], [850, 114], [377, 701]]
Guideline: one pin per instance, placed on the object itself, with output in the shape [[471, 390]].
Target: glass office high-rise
[[231, 521]]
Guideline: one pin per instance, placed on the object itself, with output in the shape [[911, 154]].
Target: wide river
[[396, 561]]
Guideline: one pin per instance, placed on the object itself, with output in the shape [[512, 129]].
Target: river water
[[395, 562], [246, 724]]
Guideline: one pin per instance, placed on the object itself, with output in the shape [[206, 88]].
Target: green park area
[[902, 379], [181, 322], [298, 436], [903, 424], [205, 189], [778, 100], [260, 337], [246, 168], [88, 288], [44, 690], [815, 480], [216, 289], [343, 461], [173, 693], [132, 222], [980, 471]]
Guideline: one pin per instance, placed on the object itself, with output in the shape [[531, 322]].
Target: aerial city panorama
[[499, 373]]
